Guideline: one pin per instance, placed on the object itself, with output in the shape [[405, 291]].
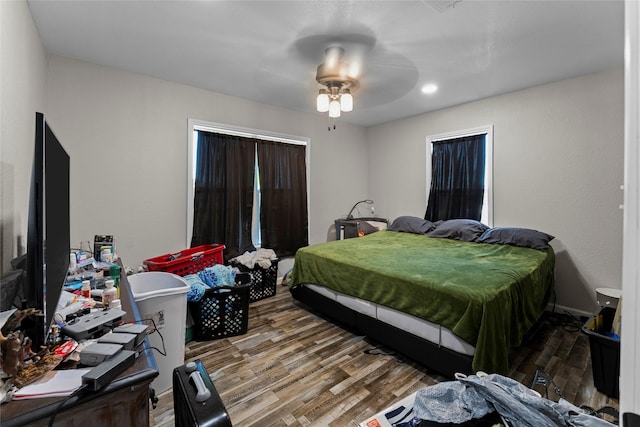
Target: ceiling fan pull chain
[[329, 125]]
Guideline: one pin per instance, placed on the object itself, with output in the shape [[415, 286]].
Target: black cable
[[572, 325], [163, 352], [76, 392], [566, 321], [88, 251]]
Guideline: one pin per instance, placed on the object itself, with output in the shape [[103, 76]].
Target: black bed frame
[[432, 356]]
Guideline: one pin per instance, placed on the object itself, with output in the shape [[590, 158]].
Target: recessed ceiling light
[[430, 88]]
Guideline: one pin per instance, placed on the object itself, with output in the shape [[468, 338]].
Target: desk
[[124, 402]]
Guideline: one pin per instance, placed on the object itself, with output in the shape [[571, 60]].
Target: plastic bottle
[[109, 293], [105, 254], [86, 289], [73, 262], [114, 273]]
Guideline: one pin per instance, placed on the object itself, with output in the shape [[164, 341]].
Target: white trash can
[[162, 297]]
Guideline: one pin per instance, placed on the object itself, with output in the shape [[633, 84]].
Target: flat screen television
[[48, 246]]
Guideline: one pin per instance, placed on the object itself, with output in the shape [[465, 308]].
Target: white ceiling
[[268, 51]]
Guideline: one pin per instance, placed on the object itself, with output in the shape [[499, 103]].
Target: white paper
[[53, 384]]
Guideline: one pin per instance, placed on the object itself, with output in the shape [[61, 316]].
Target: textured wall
[[127, 138], [22, 93], [558, 167]]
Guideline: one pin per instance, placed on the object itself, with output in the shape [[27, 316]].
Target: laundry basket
[[187, 261], [264, 279], [222, 311]]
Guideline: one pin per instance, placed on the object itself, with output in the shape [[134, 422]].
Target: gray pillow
[[523, 237], [467, 230], [411, 224]]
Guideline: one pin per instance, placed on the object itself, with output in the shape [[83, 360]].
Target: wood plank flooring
[[294, 368]]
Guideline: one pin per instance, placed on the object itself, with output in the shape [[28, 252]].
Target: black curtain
[[223, 198], [283, 188], [457, 179]]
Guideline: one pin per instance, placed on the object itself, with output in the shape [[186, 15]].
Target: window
[[265, 218], [487, 131], [256, 235]]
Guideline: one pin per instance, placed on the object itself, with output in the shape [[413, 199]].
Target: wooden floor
[[294, 368]]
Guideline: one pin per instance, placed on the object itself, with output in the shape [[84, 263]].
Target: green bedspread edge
[[487, 294]]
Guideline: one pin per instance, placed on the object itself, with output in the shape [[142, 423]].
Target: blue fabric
[[450, 402], [474, 396], [197, 287], [218, 275]]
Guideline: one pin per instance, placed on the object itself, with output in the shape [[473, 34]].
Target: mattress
[[430, 331], [469, 295]]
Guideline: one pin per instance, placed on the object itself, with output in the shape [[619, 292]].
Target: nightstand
[[348, 228]]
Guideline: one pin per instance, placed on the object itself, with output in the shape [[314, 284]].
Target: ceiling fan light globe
[[322, 102], [346, 102], [334, 108]]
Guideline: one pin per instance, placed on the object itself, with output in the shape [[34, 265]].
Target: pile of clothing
[[261, 258], [211, 277], [488, 400]]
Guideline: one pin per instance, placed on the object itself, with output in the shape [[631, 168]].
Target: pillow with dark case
[[523, 237], [411, 224], [466, 230]]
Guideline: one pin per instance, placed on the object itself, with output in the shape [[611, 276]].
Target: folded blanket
[[262, 257]]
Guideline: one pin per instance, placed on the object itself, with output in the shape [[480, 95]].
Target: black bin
[[605, 352]]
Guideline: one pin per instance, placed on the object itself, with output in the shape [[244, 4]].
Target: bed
[[453, 301]]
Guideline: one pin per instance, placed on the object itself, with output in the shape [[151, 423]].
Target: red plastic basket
[[188, 261]]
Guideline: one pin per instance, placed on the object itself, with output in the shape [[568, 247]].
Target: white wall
[[22, 92], [558, 168], [126, 135]]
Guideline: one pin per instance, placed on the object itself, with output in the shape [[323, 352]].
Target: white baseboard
[[560, 309]]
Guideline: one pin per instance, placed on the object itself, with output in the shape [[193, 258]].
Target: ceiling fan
[[339, 78], [350, 68]]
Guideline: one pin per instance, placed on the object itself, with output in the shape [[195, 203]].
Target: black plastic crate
[[605, 352], [223, 311], [264, 280]]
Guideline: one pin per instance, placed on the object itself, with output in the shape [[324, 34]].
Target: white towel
[[262, 257]]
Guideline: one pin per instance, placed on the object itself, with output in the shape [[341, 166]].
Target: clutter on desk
[[104, 246], [90, 277], [53, 384]]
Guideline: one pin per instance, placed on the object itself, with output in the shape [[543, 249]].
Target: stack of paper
[[53, 384]]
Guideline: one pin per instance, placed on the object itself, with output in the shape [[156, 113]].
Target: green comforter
[[489, 295]]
